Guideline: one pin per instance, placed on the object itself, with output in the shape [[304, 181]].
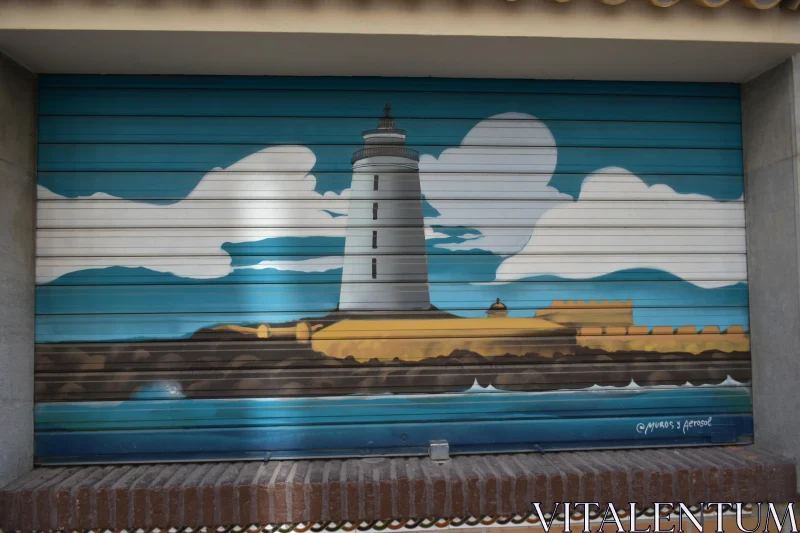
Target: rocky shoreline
[[221, 369]]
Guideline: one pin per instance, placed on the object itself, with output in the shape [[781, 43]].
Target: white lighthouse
[[385, 267]]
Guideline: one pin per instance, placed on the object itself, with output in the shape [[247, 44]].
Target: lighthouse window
[[374, 268], [374, 239], [375, 183], [375, 211]]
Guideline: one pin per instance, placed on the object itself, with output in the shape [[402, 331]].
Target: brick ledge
[[368, 489]]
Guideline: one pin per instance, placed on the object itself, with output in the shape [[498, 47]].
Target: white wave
[[728, 382], [476, 388]]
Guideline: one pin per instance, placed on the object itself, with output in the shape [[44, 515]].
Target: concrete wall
[[771, 107], [18, 98]]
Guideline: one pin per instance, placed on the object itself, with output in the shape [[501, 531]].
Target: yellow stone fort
[[555, 330]]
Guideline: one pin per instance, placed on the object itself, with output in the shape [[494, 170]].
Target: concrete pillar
[[770, 113], [18, 100]]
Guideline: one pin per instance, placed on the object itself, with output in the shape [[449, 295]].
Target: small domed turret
[[498, 305], [497, 309]]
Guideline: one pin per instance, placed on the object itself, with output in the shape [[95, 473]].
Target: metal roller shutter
[[231, 267]]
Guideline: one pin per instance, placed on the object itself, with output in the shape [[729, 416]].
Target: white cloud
[[431, 233], [267, 194], [502, 160], [691, 236], [316, 264]]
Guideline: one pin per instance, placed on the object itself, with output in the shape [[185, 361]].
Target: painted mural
[[266, 263]]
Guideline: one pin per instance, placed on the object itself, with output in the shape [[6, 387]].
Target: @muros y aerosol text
[[591, 517]]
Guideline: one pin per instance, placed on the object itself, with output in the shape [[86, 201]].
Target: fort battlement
[[664, 339], [580, 313], [658, 330]]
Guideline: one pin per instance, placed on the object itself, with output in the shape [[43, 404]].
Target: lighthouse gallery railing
[[395, 151]]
